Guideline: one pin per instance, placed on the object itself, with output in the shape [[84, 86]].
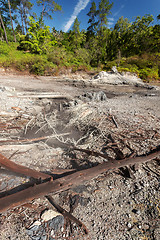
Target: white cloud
[[110, 22], [116, 13], [81, 5], [112, 19]]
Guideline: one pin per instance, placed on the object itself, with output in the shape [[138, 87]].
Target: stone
[[129, 225], [36, 223], [99, 96], [114, 70], [101, 75], [49, 214], [56, 223]]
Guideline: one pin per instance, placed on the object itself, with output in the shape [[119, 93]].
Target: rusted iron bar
[[8, 164], [69, 181], [66, 214]]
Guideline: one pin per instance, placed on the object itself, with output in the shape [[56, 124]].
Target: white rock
[[36, 223], [49, 214], [129, 225], [116, 78]]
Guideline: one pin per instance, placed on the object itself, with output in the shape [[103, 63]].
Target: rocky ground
[[111, 113]]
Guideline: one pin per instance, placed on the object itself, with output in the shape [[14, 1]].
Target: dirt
[[55, 113]]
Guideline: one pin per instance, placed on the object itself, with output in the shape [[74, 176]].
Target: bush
[[4, 49], [148, 74], [57, 55]]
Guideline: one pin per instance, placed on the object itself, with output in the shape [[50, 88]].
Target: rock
[[129, 225], [94, 96], [52, 219], [49, 214], [114, 70], [101, 75], [116, 78], [36, 223], [56, 223], [99, 96], [36, 232]]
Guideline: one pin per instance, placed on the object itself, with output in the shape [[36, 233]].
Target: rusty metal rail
[[67, 182]]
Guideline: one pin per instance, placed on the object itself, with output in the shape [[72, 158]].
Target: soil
[[55, 113]]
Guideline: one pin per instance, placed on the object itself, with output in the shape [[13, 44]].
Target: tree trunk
[[1, 37], [21, 12], [3, 28], [25, 20], [9, 5], [42, 15]]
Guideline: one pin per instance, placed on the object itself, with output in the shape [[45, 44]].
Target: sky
[[79, 8]]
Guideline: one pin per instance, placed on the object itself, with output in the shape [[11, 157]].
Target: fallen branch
[[90, 152], [22, 147], [67, 182], [35, 139], [8, 164], [66, 214], [114, 120]]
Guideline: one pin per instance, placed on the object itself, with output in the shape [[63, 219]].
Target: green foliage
[[102, 13], [38, 38], [22, 61], [61, 57], [48, 6], [93, 22], [131, 46], [4, 49]]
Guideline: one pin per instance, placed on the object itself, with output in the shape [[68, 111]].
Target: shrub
[[4, 49], [148, 74]]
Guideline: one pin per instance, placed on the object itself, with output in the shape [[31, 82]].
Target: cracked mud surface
[[122, 204]]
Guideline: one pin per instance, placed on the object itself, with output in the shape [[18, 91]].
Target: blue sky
[[79, 8]]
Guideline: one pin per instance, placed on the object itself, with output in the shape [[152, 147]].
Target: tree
[[103, 12], [75, 36], [23, 7], [48, 6], [92, 20], [4, 18], [121, 36], [141, 31], [38, 38], [4, 28], [26, 6], [102, 33], [9, 6]]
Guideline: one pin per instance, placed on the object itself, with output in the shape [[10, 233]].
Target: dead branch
[[8, 164], [19, 147], [114, 121], [69, 181], [35, 139], [66, 214], [90, 152]]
